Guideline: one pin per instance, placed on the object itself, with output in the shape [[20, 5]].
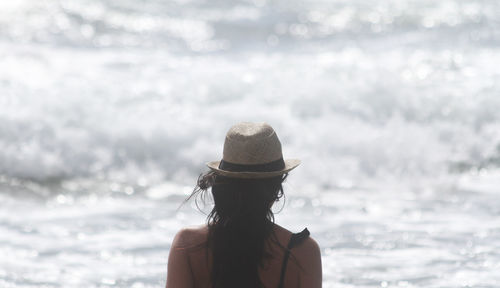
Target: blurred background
[[109, 111]]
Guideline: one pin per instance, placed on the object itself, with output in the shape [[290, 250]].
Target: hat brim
[[289, 165]]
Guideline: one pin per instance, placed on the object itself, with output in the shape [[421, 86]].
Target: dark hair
[[239, 224]]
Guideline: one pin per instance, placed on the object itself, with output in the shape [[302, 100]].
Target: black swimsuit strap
[[295, 240]]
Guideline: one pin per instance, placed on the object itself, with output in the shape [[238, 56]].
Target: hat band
[[273, 166]]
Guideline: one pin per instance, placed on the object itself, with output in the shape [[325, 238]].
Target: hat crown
[[251, 143]]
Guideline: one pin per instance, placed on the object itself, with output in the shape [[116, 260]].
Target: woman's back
[[190, 261]]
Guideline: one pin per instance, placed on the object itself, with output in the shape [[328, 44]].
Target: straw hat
[[252, 150]]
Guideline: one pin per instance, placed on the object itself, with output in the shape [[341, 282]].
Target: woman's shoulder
[[307, 246], [190, 237]]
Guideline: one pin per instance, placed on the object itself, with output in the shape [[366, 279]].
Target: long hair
[[238, 226]]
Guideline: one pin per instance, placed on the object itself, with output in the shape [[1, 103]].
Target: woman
[[242, 246]]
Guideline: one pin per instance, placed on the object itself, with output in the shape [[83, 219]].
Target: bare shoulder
[[308, 256], [190, 237], [308, 248]]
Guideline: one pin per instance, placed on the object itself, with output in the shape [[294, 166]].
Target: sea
[[109, 111]]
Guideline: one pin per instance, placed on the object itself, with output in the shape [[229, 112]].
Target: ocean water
[[109, 110]]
